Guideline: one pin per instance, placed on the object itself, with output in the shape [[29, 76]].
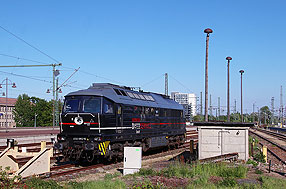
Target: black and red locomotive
[[101, 120]]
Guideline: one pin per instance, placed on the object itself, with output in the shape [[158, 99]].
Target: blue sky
[[133, 43]]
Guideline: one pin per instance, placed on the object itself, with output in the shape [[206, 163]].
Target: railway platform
[[24, 135]]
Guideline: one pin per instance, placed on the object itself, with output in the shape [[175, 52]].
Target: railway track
[[67, 169], [275, 134], [61, 172], [275, 143]]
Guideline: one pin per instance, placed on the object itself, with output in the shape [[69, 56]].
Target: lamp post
[[241, 72], [35, 124], [228, 109], [207, 31], [6, 95], [57, 90]]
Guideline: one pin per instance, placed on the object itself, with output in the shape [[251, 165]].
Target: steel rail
[[269, 149]]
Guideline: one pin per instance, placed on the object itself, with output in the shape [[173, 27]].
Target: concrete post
[[43, 145], [264, 152], [191, 146]]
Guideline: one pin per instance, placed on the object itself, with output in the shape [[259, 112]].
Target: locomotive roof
[[124, 95]]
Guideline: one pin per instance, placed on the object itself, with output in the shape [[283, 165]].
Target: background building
[[10, 117], [189, 102]]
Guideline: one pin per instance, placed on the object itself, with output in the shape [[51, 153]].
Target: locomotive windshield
[[71, 105], [92, 105], [88, 104]]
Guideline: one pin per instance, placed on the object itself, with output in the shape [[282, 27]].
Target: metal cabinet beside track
[[215, 140]]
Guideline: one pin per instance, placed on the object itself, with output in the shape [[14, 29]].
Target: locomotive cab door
[[109, 116], [119, 118]]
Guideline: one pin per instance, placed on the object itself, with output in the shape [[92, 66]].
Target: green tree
[[27, 107], [44, 110], [23, 113], [265, 114]]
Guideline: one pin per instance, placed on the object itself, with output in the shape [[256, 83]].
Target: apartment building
[[189, 102], [10, 107]]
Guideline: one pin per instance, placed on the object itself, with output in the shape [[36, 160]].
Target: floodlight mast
[[207, 31], [54, 76], [228, 109]]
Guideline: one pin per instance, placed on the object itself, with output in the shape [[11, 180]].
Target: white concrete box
[[220, 140]]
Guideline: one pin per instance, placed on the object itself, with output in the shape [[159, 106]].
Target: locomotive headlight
[[97, 139], [78, 120]]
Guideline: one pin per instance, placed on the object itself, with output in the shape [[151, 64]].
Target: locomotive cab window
[[91, 105], [107, 107], [71, 105]]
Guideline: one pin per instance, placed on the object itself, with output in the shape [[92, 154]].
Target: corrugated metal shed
[[108, 90]]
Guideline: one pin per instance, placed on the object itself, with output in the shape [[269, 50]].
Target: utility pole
[[201, 103], [218, 106], [6, 97], [234, 109], [281, 106], [54, 104], [253, 112], [272, 110], [211, 108], [259, 121], [57, 103], [241, 107], [166, 84], [54, 75]]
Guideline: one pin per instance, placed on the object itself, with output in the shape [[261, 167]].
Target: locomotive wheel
[[177, 143], [78, 154], [89, 156], [145, 147], [65, 154]]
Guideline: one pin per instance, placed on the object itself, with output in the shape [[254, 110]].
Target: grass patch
[[100, 184], [146, 172], [200, 174], [228, 182], [259, 157], [259, 172], [220, 169], [147, 184], [111, 176], [43, 184], [250, 161], [270, 182], [199, 170], [177, 170]]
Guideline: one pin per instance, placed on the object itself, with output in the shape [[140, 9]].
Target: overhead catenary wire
[[69, 77], [32, 46], [28, 77], [69, 68], [43, 93], [181, 84], [153, 80], [100, 77], [20, 58]]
